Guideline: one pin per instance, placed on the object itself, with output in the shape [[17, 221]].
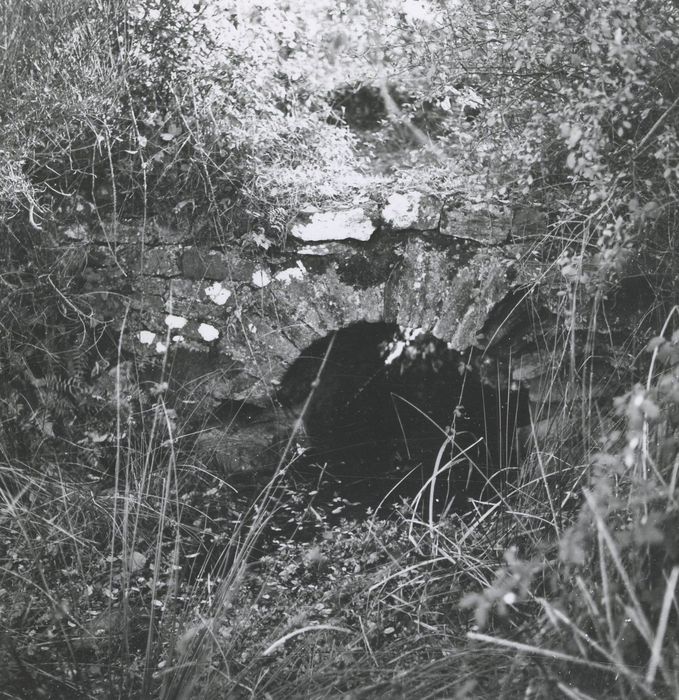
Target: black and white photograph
[[339, 349]]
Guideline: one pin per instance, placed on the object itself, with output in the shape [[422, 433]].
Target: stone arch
[[235, 312]]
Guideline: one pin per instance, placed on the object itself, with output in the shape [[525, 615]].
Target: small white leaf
[[208, 332], [146, 337], [177, 322], [261, 278], [574, 136], [136, 561]]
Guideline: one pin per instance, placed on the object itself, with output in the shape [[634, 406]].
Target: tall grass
[[565, 578]]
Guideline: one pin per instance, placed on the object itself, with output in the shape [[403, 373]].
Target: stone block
[[334, 225], [198, 265], [484, 223], [412, 210]]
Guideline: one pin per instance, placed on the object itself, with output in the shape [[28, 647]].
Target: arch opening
[[383, 409]]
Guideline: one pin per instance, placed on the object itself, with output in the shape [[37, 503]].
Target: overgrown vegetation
[[127, 569]]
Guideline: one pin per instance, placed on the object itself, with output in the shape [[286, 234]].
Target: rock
[[447, 291], [481, 222], [476, 289], [317, 304], [528, 223], [160, 262], [241, 446], [164, 234], [336, 225], [198, 265], [414, 298], [412, 210]]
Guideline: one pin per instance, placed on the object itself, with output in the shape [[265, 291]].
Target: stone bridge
[[236, 312]]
